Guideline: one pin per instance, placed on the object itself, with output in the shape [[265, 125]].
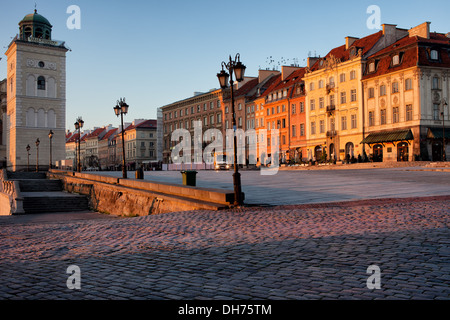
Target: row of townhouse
[[383, 97], [102, 149]]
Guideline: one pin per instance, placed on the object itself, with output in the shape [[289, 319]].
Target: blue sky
[[157, 52]]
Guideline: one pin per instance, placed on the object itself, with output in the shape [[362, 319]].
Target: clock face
[[41, 64]]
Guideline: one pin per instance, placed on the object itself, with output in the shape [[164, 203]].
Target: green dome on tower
[[35, 25]]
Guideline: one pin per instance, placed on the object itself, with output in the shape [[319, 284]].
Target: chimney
[[349, 41], [287, 71], [264, 74], [422, 30], [311, 60]]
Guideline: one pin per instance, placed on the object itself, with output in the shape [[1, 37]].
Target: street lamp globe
[[223, 79]]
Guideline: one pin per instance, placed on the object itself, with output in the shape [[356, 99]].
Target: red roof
[[94, 133], [143, 124], [413, 51], [343, 54], [73, 138], [109, 133]]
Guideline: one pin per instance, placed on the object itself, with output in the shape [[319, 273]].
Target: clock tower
[[36, 95]]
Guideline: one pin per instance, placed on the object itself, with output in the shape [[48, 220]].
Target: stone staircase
[[41, 195]]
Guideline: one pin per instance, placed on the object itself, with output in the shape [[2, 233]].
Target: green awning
[[388, 136], [436, 133]]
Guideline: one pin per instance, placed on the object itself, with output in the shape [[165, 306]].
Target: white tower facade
[[36, 95]]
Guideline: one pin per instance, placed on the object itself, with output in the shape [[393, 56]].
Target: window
[[284, 139], [383, 116], [342, 77], [239, 106], [434, 55], [408, 84], [302, 129], [273, 110], [312, 104], [354, 121], [192, 110], [409, 116], [293, 109], [240, 122], [332, 124], [198, 108], [352, 75], [311, 86], [205, 107], [395, 87], [227, 122], [219, 118], [395, 115], [322, 126], [294, 131], [226, 109], [372, 67], [344, 123], [382, 90], [343, 97], [175, 114], [268, 111], [302, 107], [371, 93], [313, 128], [371, 119], [41, 83], [211, 105], [435, 84], [396, 60], [353, 95], [278, 109], [211, 119], [321, 103], [218, 103], [283, 123], [332, 103], [436, 111], [283, 108], [320, 84]]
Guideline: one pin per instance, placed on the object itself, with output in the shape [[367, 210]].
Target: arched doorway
[[318, 153], [402, 151], [349, 151], [332, 152], [436, 150], [378, 153]]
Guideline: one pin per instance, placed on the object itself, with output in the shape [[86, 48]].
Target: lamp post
[[28, 154], [50, 136], [78, 125], [444, 104], [121, 108], [37, 154], [233, 66]]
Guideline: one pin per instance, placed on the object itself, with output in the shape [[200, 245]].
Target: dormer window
[[372, 67], [434, 55], [396, 60]]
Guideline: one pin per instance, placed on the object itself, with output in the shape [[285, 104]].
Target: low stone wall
[[131, 197], [10, 200]]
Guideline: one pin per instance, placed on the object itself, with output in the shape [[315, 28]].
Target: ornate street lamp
[[444, 104], [28, 154], [233, 66], [121, 108], [37, 154], [78, 125], [50, 136]]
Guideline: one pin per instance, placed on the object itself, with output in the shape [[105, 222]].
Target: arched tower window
[[41, 83]]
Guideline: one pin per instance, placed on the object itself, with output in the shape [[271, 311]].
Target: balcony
[[331, 134], [330, 87], [331, 109]]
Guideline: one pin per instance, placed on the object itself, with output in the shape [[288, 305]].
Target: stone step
[[26, 175], [46, 202], [38, 185]]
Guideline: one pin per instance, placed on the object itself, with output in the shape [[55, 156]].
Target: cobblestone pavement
[[315, 251]]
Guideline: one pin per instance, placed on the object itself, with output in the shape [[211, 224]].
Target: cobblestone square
[[291, 252]]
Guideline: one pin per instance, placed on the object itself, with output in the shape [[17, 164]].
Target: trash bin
[[189, 178], [139, 173]]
